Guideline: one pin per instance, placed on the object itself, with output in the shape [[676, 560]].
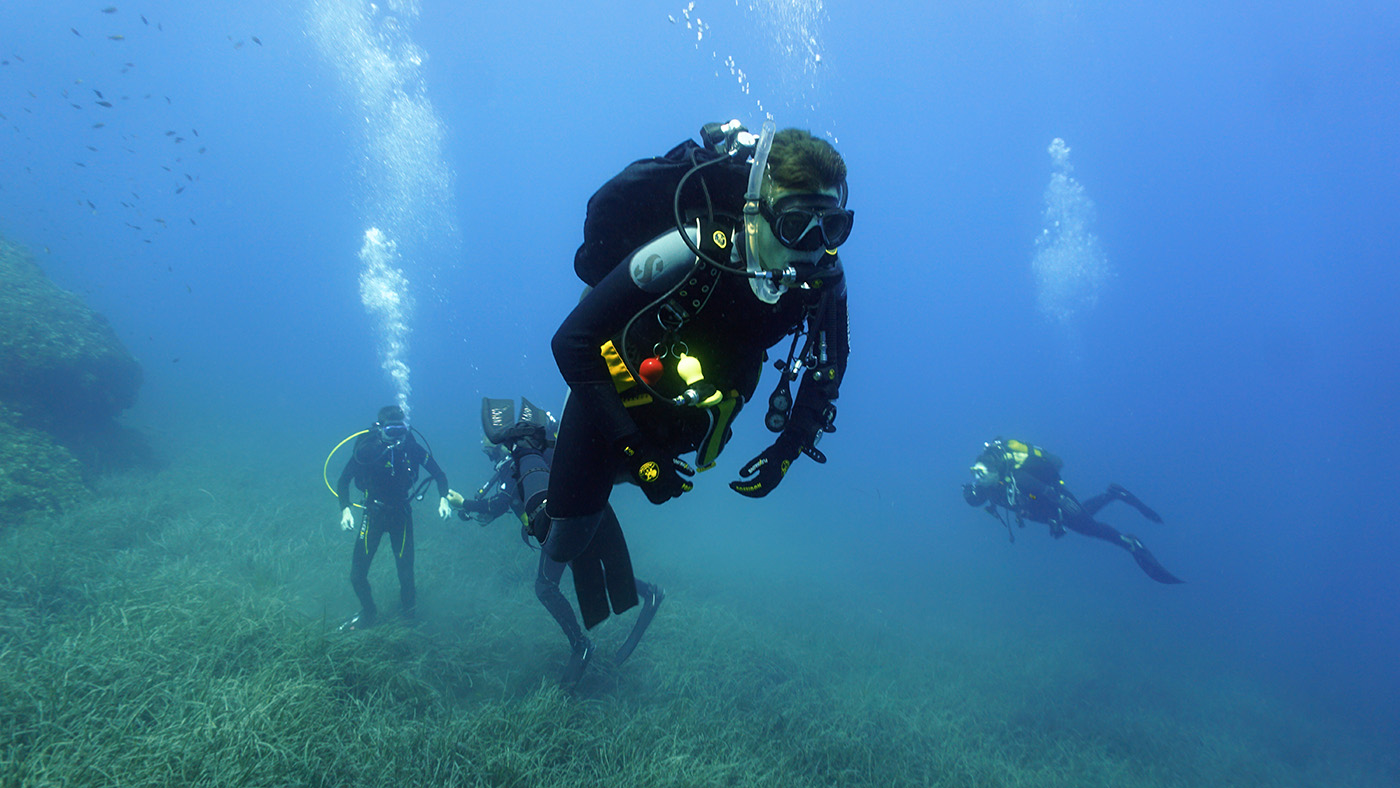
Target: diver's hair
[[390, 413], [802, 162]]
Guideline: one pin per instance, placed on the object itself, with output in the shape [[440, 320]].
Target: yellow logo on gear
[[649, 472], [786, 464], [721, 240]]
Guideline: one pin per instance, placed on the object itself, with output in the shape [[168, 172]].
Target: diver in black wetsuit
[[385, 464], [522, 450], [663, 352], [1025, 480]]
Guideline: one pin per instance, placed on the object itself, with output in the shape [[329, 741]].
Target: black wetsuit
[[387, 473], [1033, 490], [730, 335]]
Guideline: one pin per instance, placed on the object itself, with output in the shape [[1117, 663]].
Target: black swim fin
[[649, 606], [1132, 500], [1149, 562]]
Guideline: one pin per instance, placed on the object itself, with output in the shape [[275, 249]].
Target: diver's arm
[[430, 464], [342, 487], [813, 396]]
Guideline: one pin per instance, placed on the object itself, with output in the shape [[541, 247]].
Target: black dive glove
[[770, 467], [658, 474]]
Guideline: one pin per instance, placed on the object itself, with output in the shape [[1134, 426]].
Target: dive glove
[[770, 467], [658, 474]]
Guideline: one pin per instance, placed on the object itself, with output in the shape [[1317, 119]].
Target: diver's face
[[772, 255], [393, 432], [982, 476]]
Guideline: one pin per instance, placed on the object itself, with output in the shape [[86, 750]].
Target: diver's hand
[[770, 467], [658, 475], [444, 509], [454, 499], [347, 519]]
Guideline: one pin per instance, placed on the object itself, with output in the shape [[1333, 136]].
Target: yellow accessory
[[327, 464], [649, 472], [688, 367]]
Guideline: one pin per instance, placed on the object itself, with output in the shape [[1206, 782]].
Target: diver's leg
[[1080, 522], [547, 591], [580, 481], [580, 646], [403, 561], [1121, 493], [366, 545], [1092, 506]]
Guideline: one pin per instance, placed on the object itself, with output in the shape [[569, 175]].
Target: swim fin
[[649, 605], [360, 620], [1132, 500], [1149, 562]]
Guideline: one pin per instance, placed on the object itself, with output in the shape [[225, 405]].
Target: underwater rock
[[61, 360], [36, 473], [62, 368]]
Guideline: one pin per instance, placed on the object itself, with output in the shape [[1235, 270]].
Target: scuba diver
[[384, 465], [667, 346], [1025, 480], [522, 450]]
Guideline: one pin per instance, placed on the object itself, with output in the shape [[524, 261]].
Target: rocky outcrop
[[65, 377]]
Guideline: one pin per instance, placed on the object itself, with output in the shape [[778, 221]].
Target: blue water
[[1214, 322]]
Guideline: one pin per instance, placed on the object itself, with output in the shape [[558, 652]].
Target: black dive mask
[[393, 432], [794, 217]]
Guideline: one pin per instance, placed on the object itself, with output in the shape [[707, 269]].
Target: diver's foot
[[361, 620], [650, 603], [578, 664], [1123, 495]]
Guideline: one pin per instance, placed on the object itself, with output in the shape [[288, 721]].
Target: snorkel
[[772, 280]]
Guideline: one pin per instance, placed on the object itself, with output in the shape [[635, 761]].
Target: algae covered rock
[[61, 364], [36, 473]]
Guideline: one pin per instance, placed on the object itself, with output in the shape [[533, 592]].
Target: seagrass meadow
[[178, 629]]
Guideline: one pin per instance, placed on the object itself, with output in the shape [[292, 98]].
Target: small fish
[[143, 20], [167, 99], [117, 37], [104, 103], [75, 106], [257, 40], [98, 125], [111, 9], [167, 169], [2, 117], [189, 289], [177, 191], [80, 164], [192, 222], [201, 150], [175, 360], [90, 205], [132, 226], [75, 32], [94, 150], [162, 221], [239, 45], [188, 178], [20, 59], [179, 139], [195, 132], [98, 92], [169, 133]]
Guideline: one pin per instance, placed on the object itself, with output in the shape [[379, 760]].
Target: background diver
[[1024, 480], [384, 464], [522, 450], [697, 257]]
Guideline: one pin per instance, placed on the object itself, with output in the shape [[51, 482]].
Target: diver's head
[[802, 202], [493, 451], [982, 474], [391, 424]]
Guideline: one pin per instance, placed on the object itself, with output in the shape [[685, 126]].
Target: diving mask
[[982, 474], [393, 432], [793, 218]]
